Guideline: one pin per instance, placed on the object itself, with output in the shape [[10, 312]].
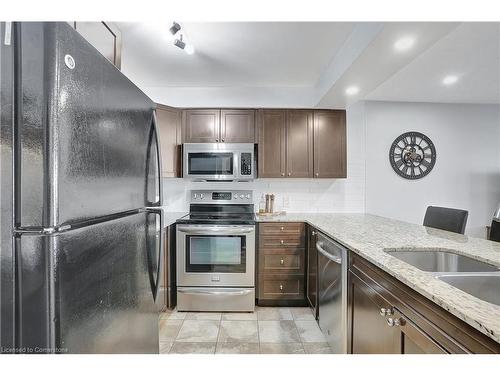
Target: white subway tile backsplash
[[305, 195]]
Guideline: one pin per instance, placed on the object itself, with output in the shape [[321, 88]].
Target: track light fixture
[[175, 28], [188, 48], [180, 43]]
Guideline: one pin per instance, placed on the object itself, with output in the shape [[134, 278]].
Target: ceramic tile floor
[[268, 330]]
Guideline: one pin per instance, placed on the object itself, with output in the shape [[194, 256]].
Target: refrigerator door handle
[[156, 286], [158, 155]]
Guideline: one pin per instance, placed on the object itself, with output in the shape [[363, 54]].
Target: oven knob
[[248, 196], [235, 196], [242, 196], [195, 196], [201, 196]]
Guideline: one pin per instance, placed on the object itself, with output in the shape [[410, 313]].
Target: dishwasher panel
[[332, 292]]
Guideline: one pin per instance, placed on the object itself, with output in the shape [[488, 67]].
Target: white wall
[[297, 195], [467, 170]]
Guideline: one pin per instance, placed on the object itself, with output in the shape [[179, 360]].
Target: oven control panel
[[222, 196]]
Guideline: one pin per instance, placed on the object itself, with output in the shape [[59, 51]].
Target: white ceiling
[[471, 52], [293, 64]]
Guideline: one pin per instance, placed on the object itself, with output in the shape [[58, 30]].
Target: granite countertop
[[172, 217], [368, 236]]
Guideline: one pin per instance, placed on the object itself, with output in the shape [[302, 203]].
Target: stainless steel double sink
[[480, 279]]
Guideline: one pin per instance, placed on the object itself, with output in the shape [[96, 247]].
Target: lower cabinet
[[281, 264], [377, 327], [387, 317]]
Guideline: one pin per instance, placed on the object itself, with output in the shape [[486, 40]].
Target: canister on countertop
[[271, 206], [268, 202]]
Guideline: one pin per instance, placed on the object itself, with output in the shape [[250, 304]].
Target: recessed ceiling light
[[404, 43], [450, 80], [352, 90]]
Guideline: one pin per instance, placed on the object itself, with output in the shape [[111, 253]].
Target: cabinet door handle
[[313, 233], [282, 242], [281, 287], [222, 139], [386, 312], [395, 322], [282, 174], [282, 261], [317, 174], [216, 140], [289, 173]]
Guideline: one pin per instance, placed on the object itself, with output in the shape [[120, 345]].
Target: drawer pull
[[282, 242], [282, 229], [281, 286], [281, 261]]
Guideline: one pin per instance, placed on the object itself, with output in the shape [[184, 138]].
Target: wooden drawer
[[278, 287], [281, 228], [282, 241], [281, 260]]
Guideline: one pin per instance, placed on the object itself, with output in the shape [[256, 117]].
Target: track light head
[[179, 43], [175, 28]]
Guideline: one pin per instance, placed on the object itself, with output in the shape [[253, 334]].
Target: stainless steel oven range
[[216, 252]]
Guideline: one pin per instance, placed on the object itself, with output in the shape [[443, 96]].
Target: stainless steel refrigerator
[[80, 196]]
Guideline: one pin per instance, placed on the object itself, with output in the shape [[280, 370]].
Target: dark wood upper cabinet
[[302, 143], [272, 152], [237, 126], [201, 125], [219, 125], [330, 144], [168, 120], [104, 36], [299, 143]]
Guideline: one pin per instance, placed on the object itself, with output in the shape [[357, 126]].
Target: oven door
[[211, 165], [222, 255]]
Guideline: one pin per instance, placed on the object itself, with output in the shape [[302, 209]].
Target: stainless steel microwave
[[219, 161]]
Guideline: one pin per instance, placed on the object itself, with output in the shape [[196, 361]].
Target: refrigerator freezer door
[[90, 290], [84, 130], [6, 191]]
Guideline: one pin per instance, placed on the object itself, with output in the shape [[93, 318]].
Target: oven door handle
[[214, 230], [240, 292]]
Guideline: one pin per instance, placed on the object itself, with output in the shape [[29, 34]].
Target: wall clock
[[412, 155]]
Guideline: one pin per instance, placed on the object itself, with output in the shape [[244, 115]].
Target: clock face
[[412, 155]]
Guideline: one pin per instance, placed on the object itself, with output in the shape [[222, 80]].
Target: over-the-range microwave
[[218, 161]]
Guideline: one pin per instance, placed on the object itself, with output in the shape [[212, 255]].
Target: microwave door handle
[[236, 169]]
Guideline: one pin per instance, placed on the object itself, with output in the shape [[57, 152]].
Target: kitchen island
[[369, 235]]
